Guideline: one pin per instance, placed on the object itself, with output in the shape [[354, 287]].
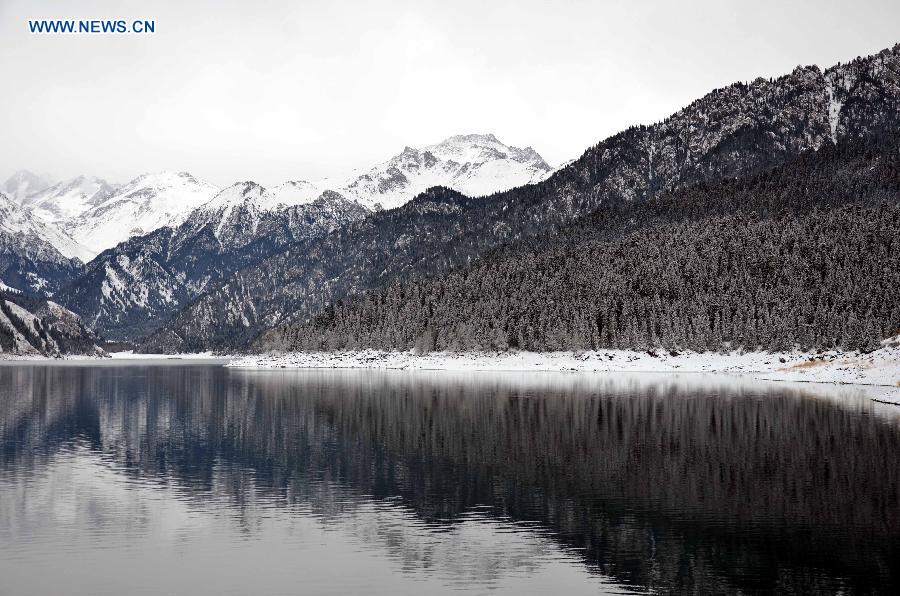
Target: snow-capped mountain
[[24, 183], [35, 256], [68, 199], [247, 259], [234, 213], [127, 290], [98, 215], [20, 222], [475, 165], [147, 203]]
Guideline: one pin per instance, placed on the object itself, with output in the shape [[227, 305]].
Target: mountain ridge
[[473, 164], [99, 215], [23, 183], [144, 204], [68, 199]]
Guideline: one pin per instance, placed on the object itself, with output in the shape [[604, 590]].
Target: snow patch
[[834, 110], [6, 288]]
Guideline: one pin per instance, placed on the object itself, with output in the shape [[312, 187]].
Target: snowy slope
[[475, 165], [68, 199], [145, 204], [24, 183], [235, 211], [246, 211], [34, 234], [293, 192]]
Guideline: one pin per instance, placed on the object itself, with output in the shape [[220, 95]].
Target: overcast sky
[[271, 90]]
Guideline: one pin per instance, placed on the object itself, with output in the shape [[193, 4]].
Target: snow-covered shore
[[878, 369]]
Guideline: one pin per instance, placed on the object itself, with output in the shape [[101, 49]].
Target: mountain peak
[[471, 138], [68, 199], [294, 192], [473, 164], [146, 203], [24, 183], [165, 177], [32, 231], [481, 148], [237, 193]]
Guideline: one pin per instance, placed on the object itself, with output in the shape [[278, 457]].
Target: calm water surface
[[196, 479]]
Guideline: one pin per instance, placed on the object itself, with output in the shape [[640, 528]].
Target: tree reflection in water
[[681, 483]]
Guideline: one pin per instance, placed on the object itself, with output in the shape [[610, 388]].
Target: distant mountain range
[[161, 240], [145, 204], [180, 265], [23, 184], [64, 201], [98, 215]]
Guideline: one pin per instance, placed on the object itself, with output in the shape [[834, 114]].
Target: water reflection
[[398, 481]]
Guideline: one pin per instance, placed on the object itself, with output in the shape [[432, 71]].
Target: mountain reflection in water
[[410, 482]]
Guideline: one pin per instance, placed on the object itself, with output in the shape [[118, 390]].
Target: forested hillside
[[806, 255], [735, 131]]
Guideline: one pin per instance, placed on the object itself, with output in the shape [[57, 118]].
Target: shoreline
[[878, 370], [115, 358]]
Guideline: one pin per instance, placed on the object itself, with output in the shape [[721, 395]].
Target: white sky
[[271, 90]]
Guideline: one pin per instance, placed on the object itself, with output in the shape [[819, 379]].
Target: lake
[[191, 478]]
